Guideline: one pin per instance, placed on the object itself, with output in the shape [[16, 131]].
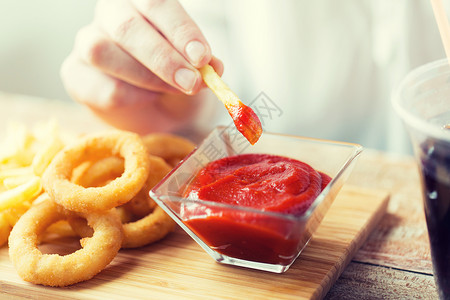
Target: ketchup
[[246, 121], [261, 182]]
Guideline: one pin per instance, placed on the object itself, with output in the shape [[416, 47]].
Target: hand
[[136, 62]]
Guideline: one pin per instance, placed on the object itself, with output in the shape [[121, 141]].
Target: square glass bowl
[[243, 236]]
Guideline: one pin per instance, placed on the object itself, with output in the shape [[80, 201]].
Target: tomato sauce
[[246, 121], [258, 181]]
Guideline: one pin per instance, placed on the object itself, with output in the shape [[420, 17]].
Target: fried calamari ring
[[129, 146], [147, 230], [155, 225], [152, 227], [54, 269], [170, 147], [141, 205], [99, 173]]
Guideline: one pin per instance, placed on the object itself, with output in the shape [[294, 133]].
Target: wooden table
[[394, 262]]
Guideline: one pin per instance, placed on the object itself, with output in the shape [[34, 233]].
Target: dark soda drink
[[435, 174], [422, 100]]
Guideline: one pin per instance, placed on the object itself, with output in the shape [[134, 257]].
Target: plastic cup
[[422, 100]]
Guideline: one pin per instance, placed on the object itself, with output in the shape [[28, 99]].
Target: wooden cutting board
[[178, 268]]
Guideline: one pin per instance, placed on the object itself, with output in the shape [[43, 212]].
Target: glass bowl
[[244, 236]]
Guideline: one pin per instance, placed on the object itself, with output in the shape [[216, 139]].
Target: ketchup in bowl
[[255, 206], [259, 182]]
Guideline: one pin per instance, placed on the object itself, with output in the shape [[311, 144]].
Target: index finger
[[129, 29], [170, 18]]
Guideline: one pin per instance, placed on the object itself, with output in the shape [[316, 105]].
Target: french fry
[[23, 192], [12, 182], [45, 155], [24, 156], [17, 150], [245, 119], [15, 172], [5, 229]]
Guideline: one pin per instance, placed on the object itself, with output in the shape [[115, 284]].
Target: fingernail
[[185, 78], [195, 51]]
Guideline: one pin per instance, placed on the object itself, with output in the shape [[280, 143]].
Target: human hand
[[133, 63]]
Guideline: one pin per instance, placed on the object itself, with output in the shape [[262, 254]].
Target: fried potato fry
[[12, 182], [24, 156], [19, 194], [5, 228], [45, 155], [245, 119], [17, 150], [15, 172]]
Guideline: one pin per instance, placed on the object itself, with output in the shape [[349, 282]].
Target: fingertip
[[204, 61], [217, 64], [198, 84], [198, 53]]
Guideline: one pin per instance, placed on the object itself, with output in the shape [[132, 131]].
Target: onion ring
[[56, 179], [5, 229], [59, 229], [141, 205], [152, 227], [99, 173], [56, 270], [171, 148], [155, 225], [147, 230]]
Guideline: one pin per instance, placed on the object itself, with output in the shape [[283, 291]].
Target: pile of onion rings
[[98, 188]]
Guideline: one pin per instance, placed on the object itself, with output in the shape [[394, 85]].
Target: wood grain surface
[[360, 280], [394, 262], [178, 268], [396, 257]]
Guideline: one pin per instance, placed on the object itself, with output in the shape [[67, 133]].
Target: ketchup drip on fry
[[246, 121]]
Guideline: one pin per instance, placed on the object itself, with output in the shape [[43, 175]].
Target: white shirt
[[329, 66]]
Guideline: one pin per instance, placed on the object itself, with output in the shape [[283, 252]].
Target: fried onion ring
[[150, 228], [129, 146], [99, 173], [54, 269], [147, 230], [5, 229], [155, 225], [141, 205], [171, 148]]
